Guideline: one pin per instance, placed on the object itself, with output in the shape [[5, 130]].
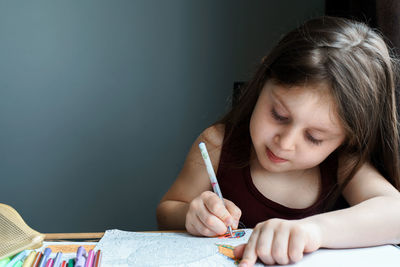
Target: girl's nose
[[286, 140]]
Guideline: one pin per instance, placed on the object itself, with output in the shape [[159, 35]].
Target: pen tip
[[230, 231]]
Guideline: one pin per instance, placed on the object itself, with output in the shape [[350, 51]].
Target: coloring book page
[[121, 248]]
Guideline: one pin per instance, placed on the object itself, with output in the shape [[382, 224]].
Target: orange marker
[[37, 259], [97, 259]]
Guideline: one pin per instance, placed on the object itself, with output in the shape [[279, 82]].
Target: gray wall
[[101, 100]]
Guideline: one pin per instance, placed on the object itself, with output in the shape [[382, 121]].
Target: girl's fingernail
[[243, 264]]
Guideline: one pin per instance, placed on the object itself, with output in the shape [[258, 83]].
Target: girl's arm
[[373, 219], [193, 186]]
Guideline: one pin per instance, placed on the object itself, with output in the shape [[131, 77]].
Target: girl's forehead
[[321, 90], [318, 93], [314, 101]]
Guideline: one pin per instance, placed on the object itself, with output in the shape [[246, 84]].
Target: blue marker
[[57, 260], [80, 257], [19, 257], [45, 256]]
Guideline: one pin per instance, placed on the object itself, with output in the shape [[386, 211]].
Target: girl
[[308, 157]]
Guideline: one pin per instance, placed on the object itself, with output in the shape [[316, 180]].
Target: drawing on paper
[[235, 234], [122, 248]]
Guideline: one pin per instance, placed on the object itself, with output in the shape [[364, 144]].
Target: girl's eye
[[278, 117], [313, 140]]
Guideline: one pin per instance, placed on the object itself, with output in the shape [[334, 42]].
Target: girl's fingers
[[196, 227], [203, 229], [235, 212], [264, 245], [275, 241], [249, 256], [195, 223], [279, 248], [216, 206], [296, 245], [238, 251], [211, 221]]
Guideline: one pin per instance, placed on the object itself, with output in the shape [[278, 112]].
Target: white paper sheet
[[121, 248]]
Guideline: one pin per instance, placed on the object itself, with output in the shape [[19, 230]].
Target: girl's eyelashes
[[313, 140], [278, 117]]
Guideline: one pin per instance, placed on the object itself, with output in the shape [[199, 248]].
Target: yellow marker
[[29, 260]]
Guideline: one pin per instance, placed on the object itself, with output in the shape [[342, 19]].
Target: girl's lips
[[274, 158]]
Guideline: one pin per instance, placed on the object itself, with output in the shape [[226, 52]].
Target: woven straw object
[[15, 234]]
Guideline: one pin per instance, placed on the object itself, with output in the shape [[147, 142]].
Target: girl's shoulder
[[213, 136]]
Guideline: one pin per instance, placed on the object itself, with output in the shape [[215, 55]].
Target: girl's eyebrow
[[322, 130], [279, 100], [319, 129]]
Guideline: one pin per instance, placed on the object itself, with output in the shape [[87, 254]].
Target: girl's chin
[[267, 165]]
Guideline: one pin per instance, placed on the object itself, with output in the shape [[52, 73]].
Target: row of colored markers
[[29, 258]]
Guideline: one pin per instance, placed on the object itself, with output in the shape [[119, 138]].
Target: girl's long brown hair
[[354, 60]]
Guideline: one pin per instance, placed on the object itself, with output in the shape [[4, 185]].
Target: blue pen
[[80, 257], [57, 260], [19, 257], [45, 256]]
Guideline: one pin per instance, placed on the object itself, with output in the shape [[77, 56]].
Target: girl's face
[[294, 128]]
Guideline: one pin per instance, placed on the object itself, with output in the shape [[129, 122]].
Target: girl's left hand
[[279, 241]]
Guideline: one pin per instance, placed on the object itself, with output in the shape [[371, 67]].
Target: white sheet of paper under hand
[[122, 248]]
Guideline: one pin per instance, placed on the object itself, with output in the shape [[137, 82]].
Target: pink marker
[[50, 262], [89, 261]]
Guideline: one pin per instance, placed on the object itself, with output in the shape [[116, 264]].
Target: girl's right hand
[[208, 216]]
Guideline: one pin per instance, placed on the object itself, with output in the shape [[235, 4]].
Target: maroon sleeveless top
[[237, 185]]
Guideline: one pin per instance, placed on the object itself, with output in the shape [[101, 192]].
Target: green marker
[[4, 261], [19, 257], [71, 263]]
